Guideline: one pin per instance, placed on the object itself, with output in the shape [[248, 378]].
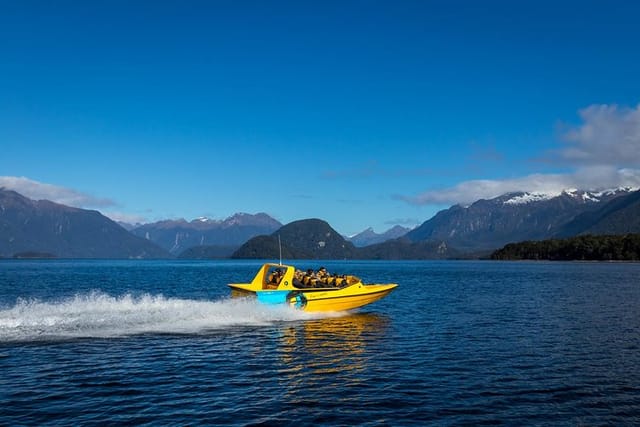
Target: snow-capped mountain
[[512, 217], [584, 195], [178, 235]]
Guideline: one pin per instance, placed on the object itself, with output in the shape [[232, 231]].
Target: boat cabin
[[274, 276]]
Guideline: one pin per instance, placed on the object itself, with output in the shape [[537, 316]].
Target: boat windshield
[[273, 276]]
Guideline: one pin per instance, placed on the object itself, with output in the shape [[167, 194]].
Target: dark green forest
[[588, 248]]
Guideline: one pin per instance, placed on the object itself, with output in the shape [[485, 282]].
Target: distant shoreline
[[590, 248]]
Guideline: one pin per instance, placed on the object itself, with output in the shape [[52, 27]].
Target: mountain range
[[176, 236], [489, 224], [43, 228], [370, 237], [46, 229], [620, 216]]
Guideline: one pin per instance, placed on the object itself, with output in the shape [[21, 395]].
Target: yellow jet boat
[[281, 284]]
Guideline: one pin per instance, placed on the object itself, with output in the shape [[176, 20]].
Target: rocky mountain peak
[[179, 235], [370, 237]]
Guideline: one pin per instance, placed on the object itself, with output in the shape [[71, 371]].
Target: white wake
[[101, 315]]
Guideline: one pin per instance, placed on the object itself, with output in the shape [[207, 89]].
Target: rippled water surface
[[150, 342]]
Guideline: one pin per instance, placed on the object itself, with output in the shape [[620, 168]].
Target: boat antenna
[[280, 248]]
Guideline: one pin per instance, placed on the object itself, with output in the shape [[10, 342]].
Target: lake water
[[161, 343]]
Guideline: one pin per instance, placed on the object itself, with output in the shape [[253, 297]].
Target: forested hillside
[[588, 248]]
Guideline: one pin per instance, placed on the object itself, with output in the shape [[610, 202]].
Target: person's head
[[322, 270], [310, 271]]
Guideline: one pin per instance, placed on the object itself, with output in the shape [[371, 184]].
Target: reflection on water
[[330, 351]]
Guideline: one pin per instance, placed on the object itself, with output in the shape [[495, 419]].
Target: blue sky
[[367, 113]]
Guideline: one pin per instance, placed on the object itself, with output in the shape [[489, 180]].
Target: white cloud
[[609, 135], [469, 191], [39, 191], [592, 178], [604, 151]]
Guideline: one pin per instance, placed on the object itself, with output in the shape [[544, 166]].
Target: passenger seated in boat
[[298, 279], [323, 276], [274, 279], [334, 280], [310, 280], [340, 281]]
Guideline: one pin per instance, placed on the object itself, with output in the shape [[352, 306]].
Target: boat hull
[[353, 295], [345, 299], [317, 300]]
